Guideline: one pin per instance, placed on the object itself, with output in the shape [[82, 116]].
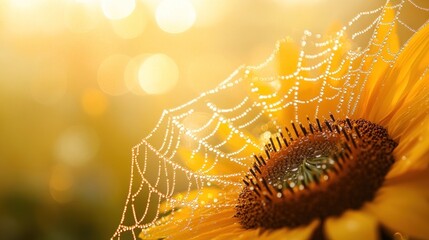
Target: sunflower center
[[320, 171]]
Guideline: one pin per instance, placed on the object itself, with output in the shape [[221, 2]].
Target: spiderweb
[[208, 142]]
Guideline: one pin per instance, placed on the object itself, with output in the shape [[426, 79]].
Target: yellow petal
[[416, 181], [413, 148], [402, 105], [411, 114], [214, 225], [205, 196], [214, 205], [403, 205], [209, 164], [287, 57], [226, 151], [198, 223], [353, 225], [214, 143], [402, 78], [294, 85], [376, 61], [238, 233], [268, 89], [299, 233], [247, 234]]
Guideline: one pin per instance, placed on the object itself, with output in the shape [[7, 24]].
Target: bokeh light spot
[[117, 9], [111, 74], [175, 16], [94, 102], [77, 145], [158, 74], [132, 74]]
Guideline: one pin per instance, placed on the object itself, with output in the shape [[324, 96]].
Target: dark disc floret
[[315, 172]]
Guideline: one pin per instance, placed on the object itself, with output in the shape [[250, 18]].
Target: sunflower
[[360, 171]]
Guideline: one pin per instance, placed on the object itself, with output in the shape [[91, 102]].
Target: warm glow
[[158, 74], [290, 2], [211, 12], [61, 178], [83, 81], [29, 17], [77, 145], [206, 76], [152, 4], [111, 74], [131, 26], [94, 102], [23, 3], [175, 16], [81, 16], [117, 9], [50, 84]]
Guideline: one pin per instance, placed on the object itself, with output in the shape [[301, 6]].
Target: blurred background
[[82, 81]]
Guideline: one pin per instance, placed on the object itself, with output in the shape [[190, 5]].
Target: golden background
[[82, 81]]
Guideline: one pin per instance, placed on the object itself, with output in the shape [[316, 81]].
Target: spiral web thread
[[207, 128]]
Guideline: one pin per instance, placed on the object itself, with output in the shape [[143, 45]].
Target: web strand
[[208, 143]]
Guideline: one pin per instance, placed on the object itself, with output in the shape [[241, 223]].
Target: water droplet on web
[[335, 84]]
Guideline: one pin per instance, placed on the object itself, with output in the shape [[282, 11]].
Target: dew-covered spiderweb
[[193, 160]]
